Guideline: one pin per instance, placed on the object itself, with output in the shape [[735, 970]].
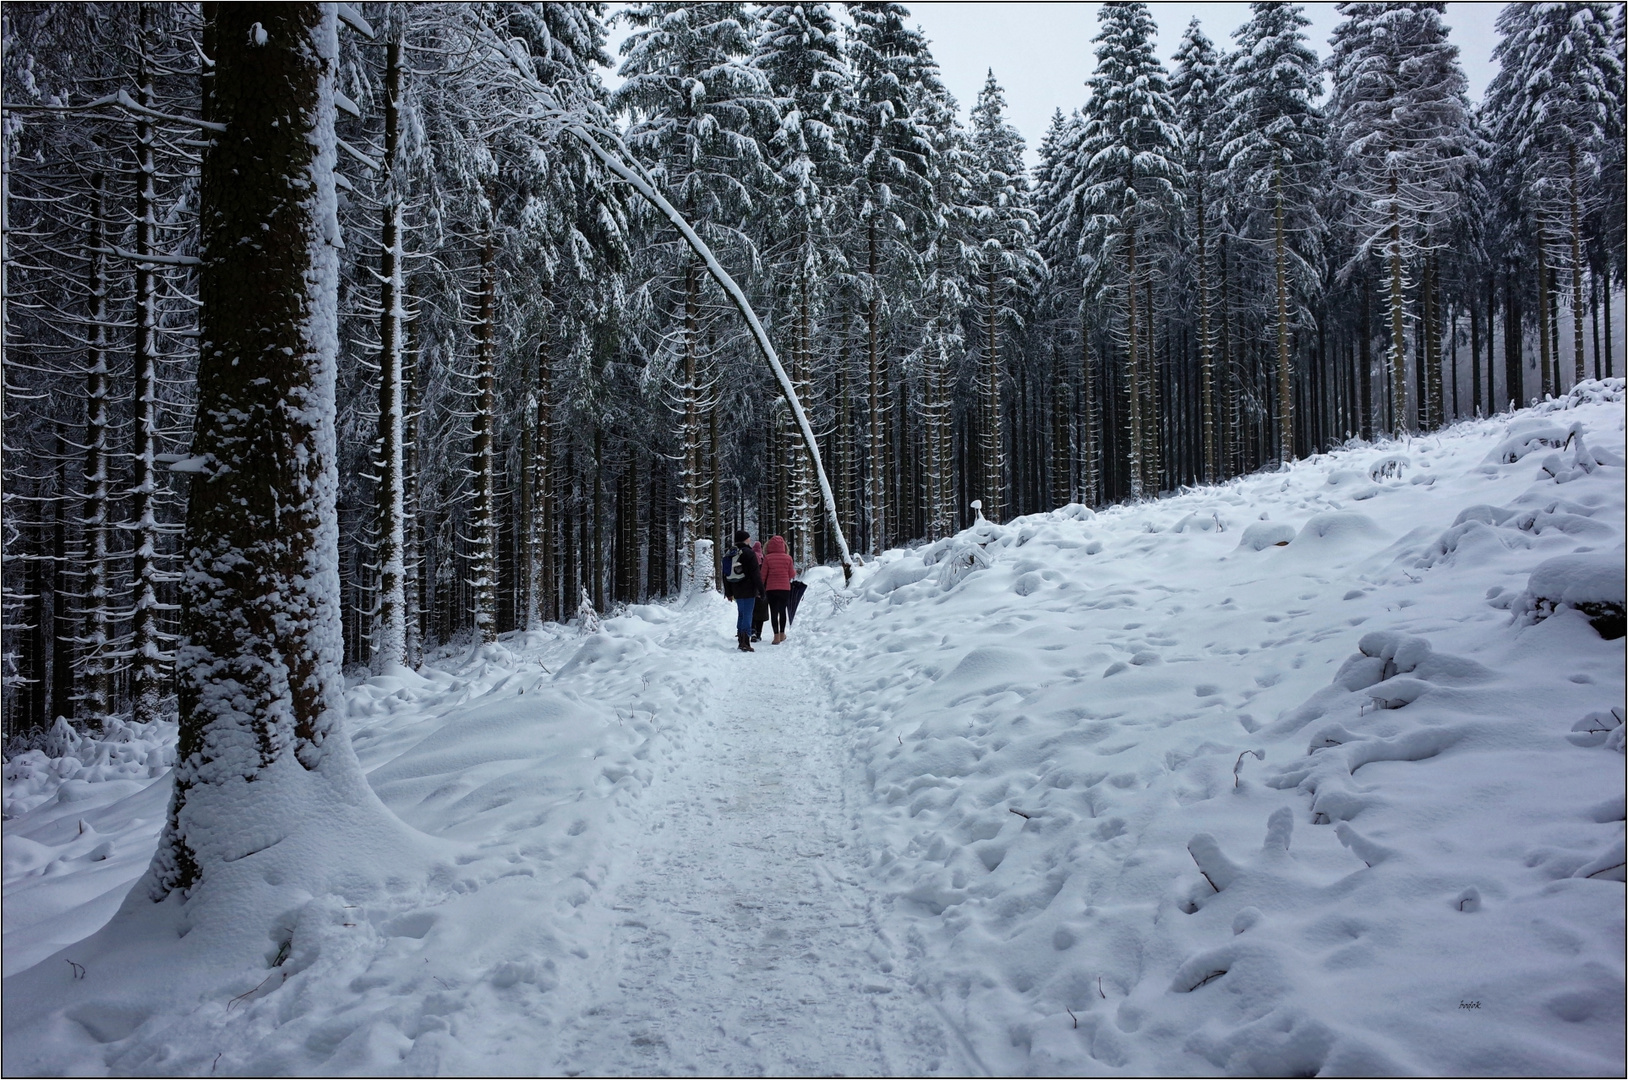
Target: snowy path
[[744, 941]]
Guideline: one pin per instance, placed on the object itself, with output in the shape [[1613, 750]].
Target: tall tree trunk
[[993, 456], [1576, 274], [1514, 376], [1152, 469], [390, 620], [1206, 350], [1133, 368], [62, 628], [415, 584], [1062, 460], [1398, 365], [95, 686], [689, 511], [715, 479], [1475, 359], [148, 662], [483, 526], [876, 496], [258, 668], [1545, 357], [1285, 418]]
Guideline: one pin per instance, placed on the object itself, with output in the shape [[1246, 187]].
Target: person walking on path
[[760, 612], [778, 570], [743, 583]]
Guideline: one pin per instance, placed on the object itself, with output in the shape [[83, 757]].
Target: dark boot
[[743, 643]]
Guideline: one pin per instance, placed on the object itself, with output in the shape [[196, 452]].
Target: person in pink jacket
[[778, 570]]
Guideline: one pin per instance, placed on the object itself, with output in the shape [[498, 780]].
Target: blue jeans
[[743, 613]]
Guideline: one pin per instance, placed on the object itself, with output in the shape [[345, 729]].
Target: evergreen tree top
[[1273, 87], [1558, 90]]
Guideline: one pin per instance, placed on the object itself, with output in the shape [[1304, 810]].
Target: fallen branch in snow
[[251, 992], [1071, 1015], [1260, 755], [1099, 989], [1019, 813], [78, 969]]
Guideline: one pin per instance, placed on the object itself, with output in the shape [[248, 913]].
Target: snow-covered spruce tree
[[1195, 90], [694, 105], [1557, 105], [1275, 156], [942, 261], [800, 50], [1129, 177], [1401, 146], [258, 667], [1062, 311], [1004, 267], [889, 152]]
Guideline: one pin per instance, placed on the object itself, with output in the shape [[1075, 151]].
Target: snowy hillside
[[1317, 772]]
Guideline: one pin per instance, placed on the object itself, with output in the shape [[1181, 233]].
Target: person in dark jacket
[[743, 583], [760, 612], [778, 570]]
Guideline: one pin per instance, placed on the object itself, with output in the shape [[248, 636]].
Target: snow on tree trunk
[[876, 474], [148, 660], [258, 666], [1285, 390], [390, 620], [96, 674], [483, 522]]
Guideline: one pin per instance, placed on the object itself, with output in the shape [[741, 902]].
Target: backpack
[[734, 570]]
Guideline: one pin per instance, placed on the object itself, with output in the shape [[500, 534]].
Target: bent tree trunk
[[258, 666], [619, 166]]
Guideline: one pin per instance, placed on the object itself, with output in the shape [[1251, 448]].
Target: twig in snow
[[212, 1064], [1211, 880], [1099, 989], [1071, 1015], [78, 969], [252, 992], [1019, 813], [1260, 755]]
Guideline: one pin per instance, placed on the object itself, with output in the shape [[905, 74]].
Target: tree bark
[[1576, 274], [483, 452], [95, 680], [149, 663], [258, 667], [1545, 357], [390, 620], [1399, 371], [1285, 393]]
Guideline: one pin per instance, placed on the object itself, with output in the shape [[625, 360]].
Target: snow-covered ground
[[1146, 791]]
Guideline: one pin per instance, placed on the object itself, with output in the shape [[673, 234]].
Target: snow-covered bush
[[1592, 584]]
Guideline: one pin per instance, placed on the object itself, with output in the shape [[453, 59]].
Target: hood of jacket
[[777, 546]]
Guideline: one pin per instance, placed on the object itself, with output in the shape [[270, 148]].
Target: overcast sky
[[1042, 54]]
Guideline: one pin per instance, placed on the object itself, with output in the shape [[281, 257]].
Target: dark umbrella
[[798, 588]]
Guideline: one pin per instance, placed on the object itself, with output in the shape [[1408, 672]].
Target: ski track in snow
[[745, 941]]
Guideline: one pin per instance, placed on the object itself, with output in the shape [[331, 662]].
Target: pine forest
[[542, 392]]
